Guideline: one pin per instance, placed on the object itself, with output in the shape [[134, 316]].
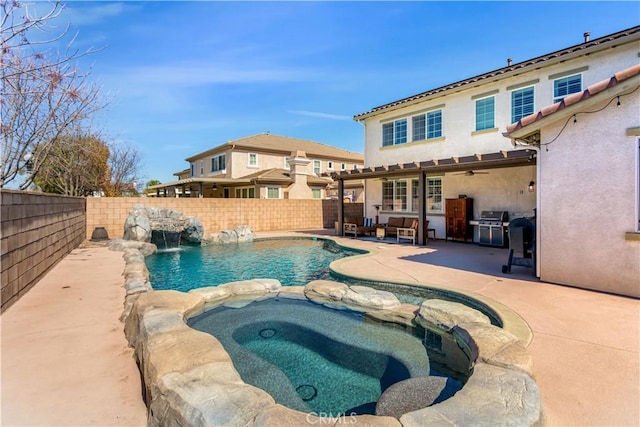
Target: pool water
[[294, 262], [315, 359]]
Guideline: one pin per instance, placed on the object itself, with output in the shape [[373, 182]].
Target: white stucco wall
[[588, 186]]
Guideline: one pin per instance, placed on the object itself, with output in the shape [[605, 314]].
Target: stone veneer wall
[[37, 231], [222, 214]]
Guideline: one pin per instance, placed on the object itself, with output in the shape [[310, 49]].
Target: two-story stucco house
[[265, 166], [448, 143]]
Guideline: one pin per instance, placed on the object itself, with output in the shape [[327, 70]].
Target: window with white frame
[[566, 86], [245, 193], [521, 103], [394, 196], [394, 133], [434, 124], [287, 166], [485, 113], [218, 163], [273, 192], [193, 169], [330, 165], [355, 166], [343, 167], [316, 167], [434, 195], [418, 127], [316, 193], [253, 159], [415, 195], [201, 167]]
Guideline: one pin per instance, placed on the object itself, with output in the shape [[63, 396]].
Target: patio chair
[[408, 233]]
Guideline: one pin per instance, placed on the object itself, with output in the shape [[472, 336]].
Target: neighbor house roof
[[587, 47], [626, 80], [275, 175], [284, 145]]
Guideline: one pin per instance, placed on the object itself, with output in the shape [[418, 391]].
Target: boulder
[[446, 314], [137, 227], [193, 231], [364, 297], [413, 394], [491, 394]]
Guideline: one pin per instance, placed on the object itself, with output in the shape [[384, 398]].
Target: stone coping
[[189, 379]]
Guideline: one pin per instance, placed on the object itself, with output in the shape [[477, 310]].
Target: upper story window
[[343, 167], [253, 159], [193, 169], [426, 126], [419, 127], [330, 165], [316, 193], [566, 86], [218, 163], [355, 166], [521, 103], [287, 166], [485, 113], [316, 167], [434, 124], [201, 167], [394, 133]]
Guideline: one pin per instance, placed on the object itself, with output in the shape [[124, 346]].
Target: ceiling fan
[[471, 173]]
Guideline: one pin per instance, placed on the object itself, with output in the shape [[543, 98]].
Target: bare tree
[[42, 92], [125, 163]]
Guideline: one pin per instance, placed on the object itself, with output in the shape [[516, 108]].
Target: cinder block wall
[[37, 230], [222, 214]]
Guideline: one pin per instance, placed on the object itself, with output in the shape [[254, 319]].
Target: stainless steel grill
[[491, 228]]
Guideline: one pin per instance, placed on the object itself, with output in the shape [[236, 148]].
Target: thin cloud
[[91, 15], [320, 115], [190, 75]]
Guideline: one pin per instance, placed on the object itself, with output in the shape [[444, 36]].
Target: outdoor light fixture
[[215, 187], [532, 185]]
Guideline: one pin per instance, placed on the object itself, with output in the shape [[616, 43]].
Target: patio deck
[[585, 345]]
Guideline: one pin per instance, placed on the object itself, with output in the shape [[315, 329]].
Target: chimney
[[298, 164], [586, 36], [509, 62]]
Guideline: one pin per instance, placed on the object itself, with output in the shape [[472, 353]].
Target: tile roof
[[285, 144], [577, 97], [509, 70]]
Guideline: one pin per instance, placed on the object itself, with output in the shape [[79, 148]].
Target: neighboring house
[[448, 142], [266, 166]]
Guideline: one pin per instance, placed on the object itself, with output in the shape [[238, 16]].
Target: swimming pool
[[315, 359], [292, 261]]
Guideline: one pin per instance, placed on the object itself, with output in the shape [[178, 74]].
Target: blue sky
[[183, 77]]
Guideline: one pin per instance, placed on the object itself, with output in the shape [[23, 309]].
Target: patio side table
[[381, 233]]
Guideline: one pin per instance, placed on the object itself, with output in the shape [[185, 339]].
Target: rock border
[[189, 379]]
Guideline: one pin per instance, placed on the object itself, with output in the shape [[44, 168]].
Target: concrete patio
[[65, 360]]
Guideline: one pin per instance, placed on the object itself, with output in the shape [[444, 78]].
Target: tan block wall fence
[[222, 214], [37, 231]]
